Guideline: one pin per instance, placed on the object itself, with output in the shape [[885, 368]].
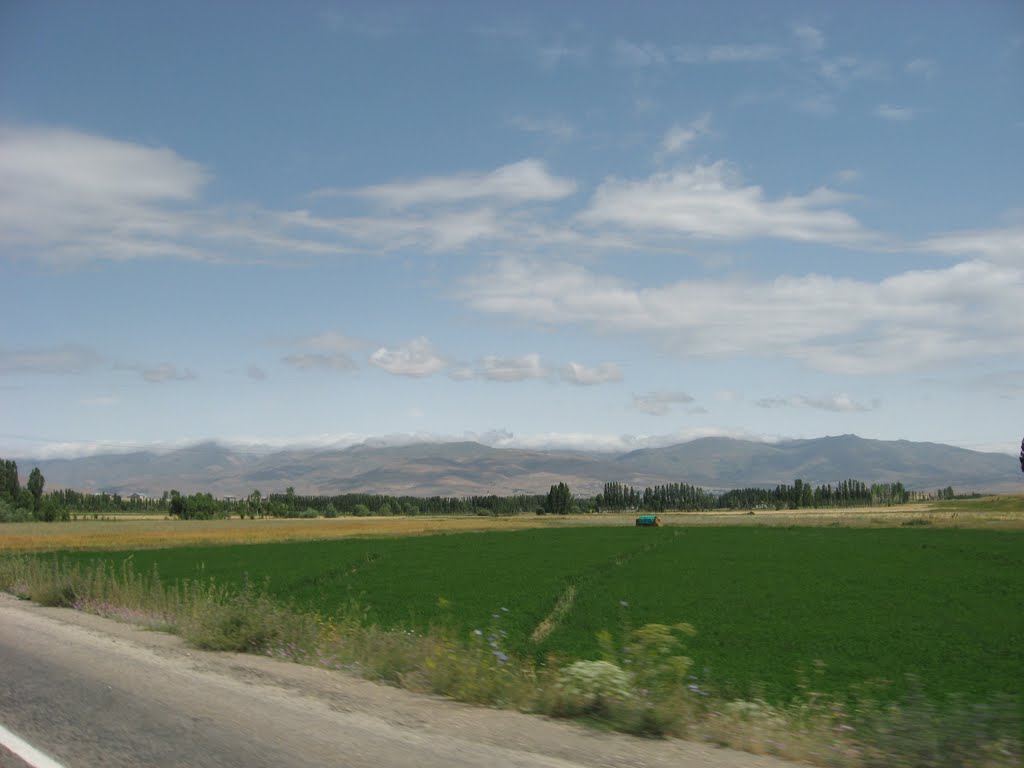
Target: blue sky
[[574, 225]]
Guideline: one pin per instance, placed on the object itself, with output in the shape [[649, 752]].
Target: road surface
[[87, 691]]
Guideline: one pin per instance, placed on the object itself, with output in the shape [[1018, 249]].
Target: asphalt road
[[92, 692]]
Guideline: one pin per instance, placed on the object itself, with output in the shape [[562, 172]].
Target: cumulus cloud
[[417, 359], [508, 369], [65, 358], [841, 403], [710, 201], [576, 373], [521, 182], [915, 318], [660, 403], [166, 372]]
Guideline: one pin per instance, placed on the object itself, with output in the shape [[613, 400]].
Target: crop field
[[130, 531], [774, 606]]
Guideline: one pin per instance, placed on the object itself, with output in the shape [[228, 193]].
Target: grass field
[[839, 607]]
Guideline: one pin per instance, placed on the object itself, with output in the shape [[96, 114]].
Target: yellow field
[[138, 532]]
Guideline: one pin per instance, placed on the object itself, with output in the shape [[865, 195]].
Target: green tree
[[559, 500], [35, 487], [10, 487], [255, 501]]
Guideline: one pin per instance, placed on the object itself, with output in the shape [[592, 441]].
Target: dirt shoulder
[[334, 701]]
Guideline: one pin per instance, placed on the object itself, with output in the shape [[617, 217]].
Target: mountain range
[[469, 468]]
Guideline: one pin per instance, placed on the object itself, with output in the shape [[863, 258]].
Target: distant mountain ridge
[[469, 468]]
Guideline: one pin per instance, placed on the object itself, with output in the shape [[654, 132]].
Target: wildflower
[[623, 603], [478, 633], [500, 656], [503, 608]]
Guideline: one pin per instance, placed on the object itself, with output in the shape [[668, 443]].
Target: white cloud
[[629, 54], [331, 341], [521, 182], [926, 68], [416, 359], [67, 196], [66, 191], [811, 38], [605, 373], [507, 369], [256, 373], [842, 71], [912, 319], [841, 403], [638, 55], [306, 361], [848, 176], [1001, 244], [728, 53], [710, 201], [556, 127], [660, 403], [166, 372], [679, 137], [66, 358], [894, 113], [550, 56]]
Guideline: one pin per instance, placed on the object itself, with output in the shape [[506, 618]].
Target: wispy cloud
[[554, 54], [810, 38], [416, 359], [329, 350], [894, 113], [710, 201], [521, 182], [508, 369], [680, 137], [555, 127], [728, 53], [308, 361], [166, 372], [67, 196], [1000, 244], [638, 55], [62, 359], [256, 373], [575, 373], [926, 68], [660, 403], [915, 318], [841, 403]]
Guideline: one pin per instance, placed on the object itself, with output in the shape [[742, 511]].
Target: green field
[[768, 603]]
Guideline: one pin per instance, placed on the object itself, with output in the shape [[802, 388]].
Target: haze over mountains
[[469, 468]]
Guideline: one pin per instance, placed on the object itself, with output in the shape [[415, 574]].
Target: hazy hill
[[468, 468]]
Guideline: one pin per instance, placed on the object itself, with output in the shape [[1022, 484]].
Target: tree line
[[30, 503]]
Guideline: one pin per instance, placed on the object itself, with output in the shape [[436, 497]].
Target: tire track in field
[[588, 576]]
